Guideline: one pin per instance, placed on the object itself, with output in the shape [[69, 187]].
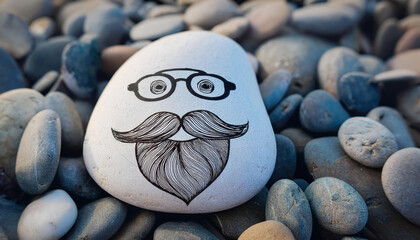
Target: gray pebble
[[27, 10], [334, 64], [284, 111], [337, 206], [39, 152], [286, 160], [274, 87], [287, 203], [98, 220], [209, 13], [72, 128], [367, 141], [372, 65], [130, 9], [386, 38], [46, 81], [400, 179], [397, 75], [42, 28], [15, 37], [11, 77], [182, 230], [408, 105], [154, 28], [136, 226], [233, 28], [163, 10], [9, 217]]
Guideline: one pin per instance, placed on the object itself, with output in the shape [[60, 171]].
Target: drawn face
[[182, 168]]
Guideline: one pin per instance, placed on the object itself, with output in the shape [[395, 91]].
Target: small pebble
[[284, 111], [372, 65], [11, 77], [163, 10], [46, 81], [286, 160], [15, 37], [39, 152], [182, 230], [48, 217], [400, 178], [406, 60], [233, 28], [27, 10], [274, 87], [337, 206], [209, 13], [398, 75], [154, 28], [267, 230], [137, 226], [287, 203], [386, 38], [42, 28], [409, 106]]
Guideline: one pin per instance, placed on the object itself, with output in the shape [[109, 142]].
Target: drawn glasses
[[161, 85]]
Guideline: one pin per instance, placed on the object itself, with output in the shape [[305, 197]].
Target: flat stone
[[372, 65], [163, 10], [9, 218], [386, 38], [284, 111], [334, 64], [286, 160], [17, 107], [182, 230], [406, 60], [48, 217], [136, 226], [269, 230], [15, 37], [267, 19], [410, 40], [209, 13], [98, 220], [408, 105], [320, 112], [400, 176], [154, 28], [28, 10], [39, 152], [11, 77], [46, 81], [330, 195], [398, 75], [274, 87], [409, 22], [298, 54], [42, 28], [286, 203], [113, 57], [367, 141], [84, 108], [233, 28]]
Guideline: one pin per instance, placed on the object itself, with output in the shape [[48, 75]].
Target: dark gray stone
[[39, 153], [98, 220], [11, 77], [15, 37], [386, 38], [287, 203], [274, 87], [154, 28], [408, 105], [136, 226], [284, 111], [27, 10], [182, 230], [286, 160], [9, 217]]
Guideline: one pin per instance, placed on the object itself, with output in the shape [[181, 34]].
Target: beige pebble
[[267, 230]]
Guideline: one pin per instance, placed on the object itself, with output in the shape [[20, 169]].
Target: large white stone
[[211, 175]]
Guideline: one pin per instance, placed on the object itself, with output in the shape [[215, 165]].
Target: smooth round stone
[[39, 152], [79, 66], [233, 28], [11, 77], [287, 203], [267, 19], [42, 28], [410, 40], [286, 160], [27, 10], [17, 107], [84, 108], [283, 111], [268, 230], [209, 13], [163, 10], [386, 38], [154, 28], [48, 217], [410, 22], [220, 160], [320, 112], [302, 183], [408, 105], [372, 65], [9, 218], [334, 64], [74, 178], [325, 19], [337, 206], [356, 93], [46, 81], [274, 87], [72, 128], [406, 60], [15, 37], [45, 57], [400, 176], [137, 226], [367, 141], [98, 220], [182, 230], [398, 75], [395, 123], [298, 54]]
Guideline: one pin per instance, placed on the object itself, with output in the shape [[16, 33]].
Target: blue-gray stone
[[131, 8], [274, 87], [320, 112], [154, 28], [372, 65], [287, 203], [85, 109], [286, 160], [11, 77], [73, 25], [283, 112], [356, 93], [182, 230], [98, 220], [39, 152], [9, 217], [137, 226], [15, 36], [302, 183], [45, 57]]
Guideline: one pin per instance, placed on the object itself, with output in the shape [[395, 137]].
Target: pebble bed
[[339, 79]]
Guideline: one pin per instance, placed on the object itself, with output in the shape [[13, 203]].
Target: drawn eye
[[158, 87], [205, 86]]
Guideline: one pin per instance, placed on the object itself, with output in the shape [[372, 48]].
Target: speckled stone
[[136, 226], [209, 13], [268, 230], [154, 28], [287, 203], [274, 87], [408, 105], [286, 160], [284, 111], [15, 37], [233, 28], [11, 77]]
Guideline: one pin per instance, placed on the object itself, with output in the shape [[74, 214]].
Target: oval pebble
[[284, 111], [321, 112], [39, 152], [400, 178], [337, 206], [113, 57], [409, 106], [154, 28], [98, 220], [268, 230], [163, 10], [15, 37], [356, 93], [42, 28], [287, 203], [286, 160], [274, 87], [46, 81], [410, 40], [136, 226], [406, 60], [367, 141], [182, 230], [11, 77], [233, 28], [209, 13], [398, 75], [49, 217]]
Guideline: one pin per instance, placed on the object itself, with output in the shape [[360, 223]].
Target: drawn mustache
[[163, 125]]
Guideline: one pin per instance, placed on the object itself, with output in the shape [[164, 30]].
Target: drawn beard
[[182, 168]]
